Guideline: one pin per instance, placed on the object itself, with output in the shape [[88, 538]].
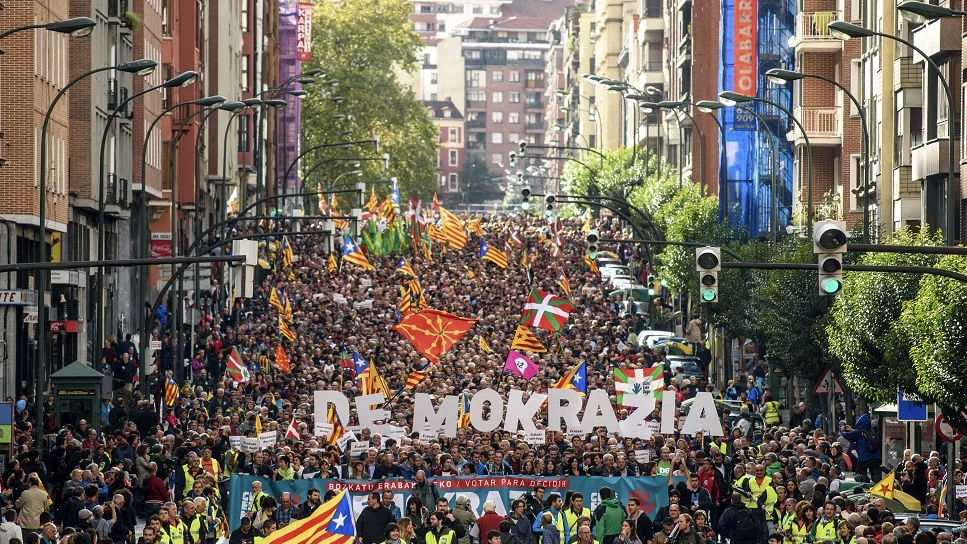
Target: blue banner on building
[[652, 492]]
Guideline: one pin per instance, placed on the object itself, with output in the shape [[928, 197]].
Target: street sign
[[30, 314], [909, 407], [945, 431], [829, 382]]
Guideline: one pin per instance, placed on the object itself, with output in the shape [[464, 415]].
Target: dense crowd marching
[[778, 484]]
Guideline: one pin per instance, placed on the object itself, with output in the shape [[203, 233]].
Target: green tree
[[795, 316], [740, 302], [934, 325], [687, 217], [363, 44], [477, 184], [864, 334]]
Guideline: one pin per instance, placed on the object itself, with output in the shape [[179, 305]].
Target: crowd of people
[[776, 482]]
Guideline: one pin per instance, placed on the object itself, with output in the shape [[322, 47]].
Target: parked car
[[644, 337], [615, 270]]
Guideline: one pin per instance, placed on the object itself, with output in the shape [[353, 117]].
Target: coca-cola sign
[[160, 245]]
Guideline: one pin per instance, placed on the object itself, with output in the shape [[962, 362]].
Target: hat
[[84, 514]]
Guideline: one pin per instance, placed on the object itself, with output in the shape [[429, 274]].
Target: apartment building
[[452, 132], [573, 117]]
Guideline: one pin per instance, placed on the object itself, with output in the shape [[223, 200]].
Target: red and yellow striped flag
[[282, 359], [524, 340], [285, 330], [415, 377], [275, 301], [454, 229]]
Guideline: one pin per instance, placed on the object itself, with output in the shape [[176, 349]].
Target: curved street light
[[77, 27]]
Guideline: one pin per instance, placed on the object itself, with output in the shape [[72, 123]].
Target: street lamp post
[[711, 107], [77, 27], [680, 106], [778, 75], [728, 96], [145, 231], [181, 80], [845, 31], [140, 67]]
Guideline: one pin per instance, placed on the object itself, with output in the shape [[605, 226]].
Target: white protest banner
[[268, 439], [358, 448], [642, 456], [429, 436], [236, 442], [322, 429], [364, 305], [344, 439], [318, 296], [961, 491], [250, 444], [536, 438], [339, 299]]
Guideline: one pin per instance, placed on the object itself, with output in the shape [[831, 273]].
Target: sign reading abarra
[[744, 46], [564, 406]]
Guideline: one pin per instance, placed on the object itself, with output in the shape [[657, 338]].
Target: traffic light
[[592, 238], [829, 243], [549, 203], [708, 262], [522, 145], [525, 194], [513, 159], [650, 282]]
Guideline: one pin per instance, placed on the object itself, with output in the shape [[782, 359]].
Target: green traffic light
[[593, 256], [708, 295], [831, 286], [664, 283], [651, 292], [549, 213], [525, 205]]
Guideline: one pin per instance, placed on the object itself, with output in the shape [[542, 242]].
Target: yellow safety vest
[[448, 537], [824, 531], [257, 503], [177, 533], [799, 532], [571, 520], [216, 470], [771, 412], [752, 501], [197, 529], [163, 536], [189, 480]]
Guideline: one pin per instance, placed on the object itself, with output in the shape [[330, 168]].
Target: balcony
[[937, 37], [125, 112], [824, 126], [111, 185], [534, 126], [124, 189], [477, 123], [812, 32], [534, 104], [112, 94], [115, 9]]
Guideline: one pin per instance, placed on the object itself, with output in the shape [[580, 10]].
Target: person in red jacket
[[155, 491], [489, 521]]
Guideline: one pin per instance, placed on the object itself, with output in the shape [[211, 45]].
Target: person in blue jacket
[[867, 448]]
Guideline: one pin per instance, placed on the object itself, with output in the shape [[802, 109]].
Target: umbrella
[[637, 294]]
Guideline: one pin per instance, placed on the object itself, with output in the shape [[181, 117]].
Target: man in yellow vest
[[760, 498], [439, 531], [572, 513], [209, 464], [196, 527], [824, 528], [177, 531], [256, 505]]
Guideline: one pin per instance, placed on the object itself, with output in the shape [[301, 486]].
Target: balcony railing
[[477, 123], [651, 66], [820, 122], [814, 25], [534, 104], [112, 94]]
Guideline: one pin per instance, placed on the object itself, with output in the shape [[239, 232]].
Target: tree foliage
[[934, 325], [361, 44], [864, 334], [687, 217], [478, 184]]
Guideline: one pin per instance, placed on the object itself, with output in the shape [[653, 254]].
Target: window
[[446, 112], [245, 72], [515, 76], [513, 137], [476, 79], [495, 10], [426, 9], [496, 158], [244, 15], [433, 77], [497, 75], [513, 117], [478, 10], [514, 98], [452, 183], [442, 27], [165, 28], [454, 136], [496, 137], [497, 97], [454, 157], [477, 96], [497, 116], [242, 133]]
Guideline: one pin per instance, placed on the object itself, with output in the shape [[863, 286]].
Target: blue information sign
[[910, 408]]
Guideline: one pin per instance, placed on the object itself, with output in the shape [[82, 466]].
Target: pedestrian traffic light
[[829, 244], [592, 238], [522, 145], [525, 194], [708, 262]]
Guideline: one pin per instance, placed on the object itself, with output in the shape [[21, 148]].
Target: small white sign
[[396, 433], [30, 314], [642, 456], [961, 491], [358, 448], [536, 438], [155, 345], [268, 439], [366, 282], [364, 305], [236, 442], [250, 444], [428, 436], [318, 296], [323, 430], [339, 299], [344, 439]]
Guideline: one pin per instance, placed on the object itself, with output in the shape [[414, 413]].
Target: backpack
[[744, 530]]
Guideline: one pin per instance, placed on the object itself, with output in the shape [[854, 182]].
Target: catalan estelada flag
[[285, 330], [171, 391], [419, 300], [495, 256], [287, 255], [404, 268], [351, 252], [436, 234], [374, 383], [330, 523], [287, 310], [337, 428], [564, 284], [576, 379], [415, 377], [282, 359], [592, 266], [387, 210], [463, 412], [454, 229], [331, 264], [524, 340], [406, 300], [275, 301], [482, 342]]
